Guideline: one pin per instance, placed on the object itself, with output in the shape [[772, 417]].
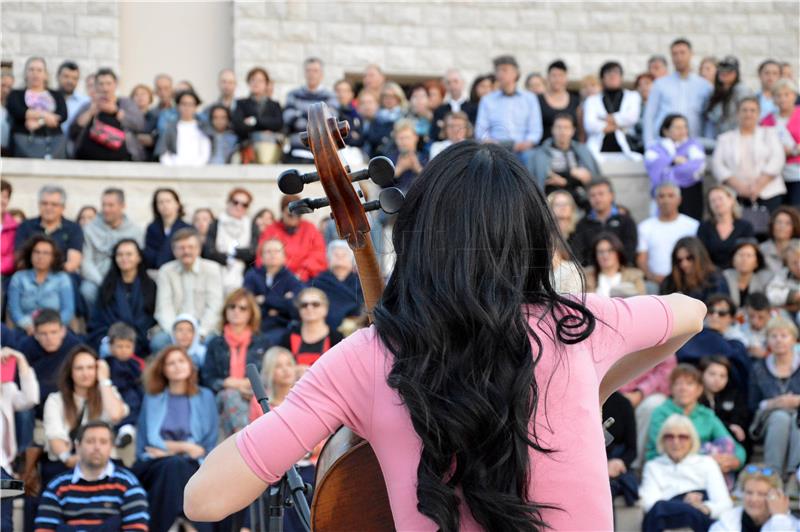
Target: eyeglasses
[[752, 469], [687, 258], [719, 312], [51, 204], [237, 203], [234, 306], [306, 304], [672, 437]]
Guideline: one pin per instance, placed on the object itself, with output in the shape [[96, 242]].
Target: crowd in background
[[126, 337]]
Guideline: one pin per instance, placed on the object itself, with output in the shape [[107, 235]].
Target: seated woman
[[177, 428], [757, 180], [725, 228], [85, 393], [258, 119], [678, 159], [40, 283], [565, 211], [721, 335], [457, 127], [128, 295], [167, 219], [784, 288], [774, 396], [609, 274], [408, 160], [241, 343], [686, 387], [693, 273], [341, 284], [727, 401], [681, 488], [309, 340], [185, 336], [231, 239], [184, 142], [622, 451], [274, 288], [786, 121], [764, 506], [749, 273], [784, 226]]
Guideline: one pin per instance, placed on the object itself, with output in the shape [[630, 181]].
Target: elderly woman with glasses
[[231, 239], [764, 505], [227, 356], [313, 337], [681, 488]]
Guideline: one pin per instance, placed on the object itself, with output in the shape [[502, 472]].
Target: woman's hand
[[556, 180], [103, 371], [51, 120], [193, 450], [727, 462], [680, 159], [787, 401], [22, 362], [777, 502], [616, 467], [155, 452], [738, 432], [695, 498]]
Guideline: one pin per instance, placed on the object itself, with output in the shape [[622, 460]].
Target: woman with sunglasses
[[693, 273], [231, 239], [764, 505], [775, 397], [681, 488], [473, 355], [313, 337], [227, 356]]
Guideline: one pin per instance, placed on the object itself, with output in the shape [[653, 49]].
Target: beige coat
[[769, 158]]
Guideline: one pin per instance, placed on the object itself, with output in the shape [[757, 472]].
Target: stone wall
[[85, 32]]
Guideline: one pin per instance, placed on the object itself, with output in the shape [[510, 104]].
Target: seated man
[[659, 234], [562, 163], [341, 284], [96, 495], [603, 216], [298, 102], [187, 285], [508, 115]]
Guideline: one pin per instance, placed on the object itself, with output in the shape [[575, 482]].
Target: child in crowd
[[126, 374], [757, 312], [727, 401], [184, 335]]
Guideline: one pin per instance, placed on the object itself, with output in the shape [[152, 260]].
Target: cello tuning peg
[[307, 205], [380, 170], [389, 201], [292, 181], [304, 138]]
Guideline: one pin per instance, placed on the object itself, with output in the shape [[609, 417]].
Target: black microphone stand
[[290, 490]]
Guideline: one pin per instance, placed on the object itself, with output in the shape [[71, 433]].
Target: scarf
[[233, 233], [238, 344]]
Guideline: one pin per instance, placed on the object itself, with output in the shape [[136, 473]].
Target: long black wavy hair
[[475, 243]]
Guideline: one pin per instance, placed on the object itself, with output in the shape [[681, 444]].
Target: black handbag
[[40, 147], [758, 216]]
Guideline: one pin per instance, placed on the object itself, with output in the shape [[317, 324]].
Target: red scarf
[[238, 344]]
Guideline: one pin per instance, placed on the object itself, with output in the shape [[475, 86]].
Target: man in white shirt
[[658, 234]]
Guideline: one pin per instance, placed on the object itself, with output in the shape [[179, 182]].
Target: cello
[[347, 468]]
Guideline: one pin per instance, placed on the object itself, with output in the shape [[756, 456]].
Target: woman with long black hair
[[478, 384]]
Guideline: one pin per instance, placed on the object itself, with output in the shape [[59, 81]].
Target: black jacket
[[588, 228], [218, 359], [269, 119]]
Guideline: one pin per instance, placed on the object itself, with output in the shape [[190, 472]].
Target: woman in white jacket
[[610, 115], [764, 505], [681, 488]]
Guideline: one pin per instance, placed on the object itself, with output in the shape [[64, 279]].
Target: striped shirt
[[113, 501]]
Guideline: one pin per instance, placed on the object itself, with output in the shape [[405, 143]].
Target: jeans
[[782, 441]]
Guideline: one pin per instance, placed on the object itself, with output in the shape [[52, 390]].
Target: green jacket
[[709, 427]]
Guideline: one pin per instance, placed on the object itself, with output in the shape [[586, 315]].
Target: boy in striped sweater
[[96, 495]]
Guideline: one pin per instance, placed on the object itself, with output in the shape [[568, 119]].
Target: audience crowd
[[125, 341]]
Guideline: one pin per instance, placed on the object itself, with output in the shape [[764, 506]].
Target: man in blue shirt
[[769, 72], [68, 77], [682, 92], [509, 116]]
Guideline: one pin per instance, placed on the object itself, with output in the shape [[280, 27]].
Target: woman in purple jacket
[[680, 159]]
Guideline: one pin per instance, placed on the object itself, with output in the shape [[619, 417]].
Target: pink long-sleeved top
[[348, 387]]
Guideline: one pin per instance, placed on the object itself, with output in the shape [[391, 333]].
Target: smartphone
[[8, 367]]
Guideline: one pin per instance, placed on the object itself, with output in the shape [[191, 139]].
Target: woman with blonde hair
[[681, 488], [724, 227], [241, 343], [764, 505]]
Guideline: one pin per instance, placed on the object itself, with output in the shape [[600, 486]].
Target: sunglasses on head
[[753, 469], [671, 437], [242, 307], [306, 304]]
